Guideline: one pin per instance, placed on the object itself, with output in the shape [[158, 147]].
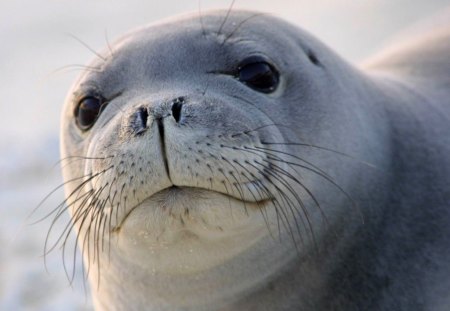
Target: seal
[[231, 161]]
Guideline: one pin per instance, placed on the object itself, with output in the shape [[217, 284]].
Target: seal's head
[[202, 171]]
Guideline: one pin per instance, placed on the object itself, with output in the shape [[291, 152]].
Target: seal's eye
[[257, 73], [87, 112]]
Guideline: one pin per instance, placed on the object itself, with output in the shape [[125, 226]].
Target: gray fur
[[380, 237]]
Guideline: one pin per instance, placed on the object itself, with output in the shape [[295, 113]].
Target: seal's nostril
[[176, 108], [139, 121], [143, 114]]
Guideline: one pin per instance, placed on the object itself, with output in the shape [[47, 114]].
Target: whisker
[[46, 198], [237, 184], [266, 220], [75, 158], [226, 189], [86, 46], [274, 153], [287, 174], [201, 18], [48, 249], [68, 69], [108, 44], [292, 206], [226, 17], [240, 25], [330, 180], [322, 148]]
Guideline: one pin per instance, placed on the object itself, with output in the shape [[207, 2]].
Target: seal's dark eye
[[87, 112], [258, 74]]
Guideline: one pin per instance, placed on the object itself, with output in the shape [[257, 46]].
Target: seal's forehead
[[185, 47], [218, 24]]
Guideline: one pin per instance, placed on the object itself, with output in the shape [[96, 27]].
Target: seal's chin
[[185, 229]]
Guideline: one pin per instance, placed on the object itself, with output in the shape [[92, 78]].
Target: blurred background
[[36, 42]]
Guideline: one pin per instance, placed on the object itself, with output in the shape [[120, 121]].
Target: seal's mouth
[[181, 192], [176, 198]]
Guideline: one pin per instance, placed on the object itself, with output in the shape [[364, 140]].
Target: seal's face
[[186, 131]]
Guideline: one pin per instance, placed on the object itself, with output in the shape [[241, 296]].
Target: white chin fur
[[185, 230]]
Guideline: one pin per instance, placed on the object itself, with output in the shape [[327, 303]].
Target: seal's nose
[[177, 105], [139, 119]]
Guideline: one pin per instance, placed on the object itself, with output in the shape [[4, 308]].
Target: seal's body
[[233, 162]]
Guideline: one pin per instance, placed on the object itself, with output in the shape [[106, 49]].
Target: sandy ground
[[35, 43]]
